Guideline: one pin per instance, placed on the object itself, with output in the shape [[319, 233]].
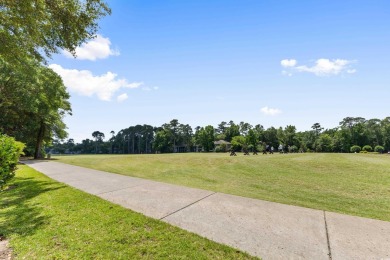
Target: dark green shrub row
[[10, 151]]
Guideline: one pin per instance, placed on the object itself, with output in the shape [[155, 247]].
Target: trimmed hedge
[[367, 148], [10, 151], [379, 149], [355, 149]]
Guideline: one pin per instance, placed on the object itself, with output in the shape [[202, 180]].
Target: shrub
[[293, 149], [238, 143], [355, 149], [379, 149], [10, 150], [223, 148], [367, 148]]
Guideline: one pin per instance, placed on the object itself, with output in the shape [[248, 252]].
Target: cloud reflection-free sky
[[273, 63]]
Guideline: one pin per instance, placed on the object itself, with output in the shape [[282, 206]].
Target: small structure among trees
[[222, 146]]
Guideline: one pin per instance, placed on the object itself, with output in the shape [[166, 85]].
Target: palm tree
[[112, 141], [99, 136]]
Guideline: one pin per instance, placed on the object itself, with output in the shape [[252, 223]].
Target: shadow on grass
[[23, 216]]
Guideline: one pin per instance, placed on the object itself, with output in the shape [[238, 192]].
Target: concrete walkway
[[265, 229]]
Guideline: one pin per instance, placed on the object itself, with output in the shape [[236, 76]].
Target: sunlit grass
[[44, 219], [356, 184]]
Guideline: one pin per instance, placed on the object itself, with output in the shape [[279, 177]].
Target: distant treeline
[[354, 134]]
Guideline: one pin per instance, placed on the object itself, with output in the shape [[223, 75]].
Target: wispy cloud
[[97, 48], [122, 97], [321, 67], [83, 82], [270, 111], [146, 88]]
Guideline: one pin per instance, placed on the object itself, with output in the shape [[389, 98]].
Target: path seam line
[[327, 237], [170, 214]]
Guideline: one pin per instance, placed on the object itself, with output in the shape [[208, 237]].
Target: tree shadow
[[33, 161], [22, 217]]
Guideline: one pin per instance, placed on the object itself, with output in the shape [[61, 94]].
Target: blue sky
[[273, 63]]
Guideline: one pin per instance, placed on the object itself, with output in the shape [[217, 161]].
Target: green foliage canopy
[[29, 28], [205, 137]]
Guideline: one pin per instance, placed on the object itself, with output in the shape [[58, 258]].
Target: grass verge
[[355, 184], [45, 219]]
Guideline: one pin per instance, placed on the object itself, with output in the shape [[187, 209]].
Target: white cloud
[[83, 82], [325, 67], [322, 67], [122, 97], [288, 63], [270, 111], [97, 48]]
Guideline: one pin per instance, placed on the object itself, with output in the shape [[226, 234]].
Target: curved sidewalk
[[265, 229]]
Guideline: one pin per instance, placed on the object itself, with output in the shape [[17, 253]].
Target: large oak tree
[[32, 105]]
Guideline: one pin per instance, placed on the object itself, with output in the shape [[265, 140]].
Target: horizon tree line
[[172, 137]]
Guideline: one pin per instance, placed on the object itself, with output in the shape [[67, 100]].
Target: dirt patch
[[5, 251]]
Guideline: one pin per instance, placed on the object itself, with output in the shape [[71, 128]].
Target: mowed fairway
[[355, 184]]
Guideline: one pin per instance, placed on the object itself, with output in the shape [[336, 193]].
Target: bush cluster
[[355, 149], [293, 149], [10, 151], [379, 149], [367, 148]]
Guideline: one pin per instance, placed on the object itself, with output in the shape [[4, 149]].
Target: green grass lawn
[[355, 184], [45, 219]]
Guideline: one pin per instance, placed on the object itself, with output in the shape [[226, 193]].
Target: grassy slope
[[356, 184], [48, 220]]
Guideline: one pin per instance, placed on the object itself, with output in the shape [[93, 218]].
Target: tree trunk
[[133, 144], [38, 145], [128, 144]]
